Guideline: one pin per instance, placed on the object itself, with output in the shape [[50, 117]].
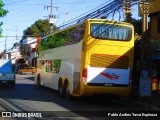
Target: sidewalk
[[152, 103]]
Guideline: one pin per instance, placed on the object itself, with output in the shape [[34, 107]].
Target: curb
[[8, 106]]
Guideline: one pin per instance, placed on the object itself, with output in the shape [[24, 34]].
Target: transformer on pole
[[52, 18]]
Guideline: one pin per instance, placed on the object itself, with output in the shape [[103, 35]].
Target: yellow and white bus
[[92, 57]]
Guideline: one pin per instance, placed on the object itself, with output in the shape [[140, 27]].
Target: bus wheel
[[67, 90], [60, 89]]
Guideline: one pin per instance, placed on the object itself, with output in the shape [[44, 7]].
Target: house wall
[[30, 44], [154, 27]]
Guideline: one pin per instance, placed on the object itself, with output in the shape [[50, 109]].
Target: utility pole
[[16, 42], [64, 20], [52, 18], [5, 54], [127, 10], [16, 34], [146, 66]]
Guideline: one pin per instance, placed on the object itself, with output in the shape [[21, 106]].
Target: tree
[[55, 40], [137, 26], [39, 29], [3, 12]]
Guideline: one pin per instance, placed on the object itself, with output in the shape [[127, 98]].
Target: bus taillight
[[84, 74]]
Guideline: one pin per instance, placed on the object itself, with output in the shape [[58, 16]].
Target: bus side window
[[42, 65], [48, 65], [55, 65]]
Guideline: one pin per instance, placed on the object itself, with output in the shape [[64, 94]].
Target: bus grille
[[109, 61]]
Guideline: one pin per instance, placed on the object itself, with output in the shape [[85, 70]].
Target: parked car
[[27, 70], [7, 76]]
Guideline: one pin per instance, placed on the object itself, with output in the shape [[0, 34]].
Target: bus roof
[[111, 21], [88, 20]]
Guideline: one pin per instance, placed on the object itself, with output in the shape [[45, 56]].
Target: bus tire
[[66, 89], [60, 88]]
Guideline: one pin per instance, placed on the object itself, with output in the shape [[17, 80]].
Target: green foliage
[[3, 12], [55, 40], [62, 38], [39, 29], [137, 26], [56, 65]]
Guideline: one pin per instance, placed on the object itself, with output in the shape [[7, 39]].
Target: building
[[155, 28], [13, 54], [154, 33], [29, 50]]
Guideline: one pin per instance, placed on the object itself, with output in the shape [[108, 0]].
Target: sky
[[23, 13]]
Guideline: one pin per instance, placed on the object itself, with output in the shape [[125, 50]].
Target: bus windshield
[[110, 31]]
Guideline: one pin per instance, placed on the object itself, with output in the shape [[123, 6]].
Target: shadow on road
[[28, 90]]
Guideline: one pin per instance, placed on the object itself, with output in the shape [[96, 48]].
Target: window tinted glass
[[110, 31], [64, 38]]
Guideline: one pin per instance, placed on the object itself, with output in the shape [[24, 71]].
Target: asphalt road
[[28, 97]]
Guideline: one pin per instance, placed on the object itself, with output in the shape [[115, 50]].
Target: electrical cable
[[10, 3], [103, 11], [106, 10], [83, 15], [94, 13]]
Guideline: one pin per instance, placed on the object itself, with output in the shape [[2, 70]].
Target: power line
[[34, 19], [88, 12], [30, 4], [104, 11], [82, 2], [28, 12], [99, 11], [9, 3], [19, 21]]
